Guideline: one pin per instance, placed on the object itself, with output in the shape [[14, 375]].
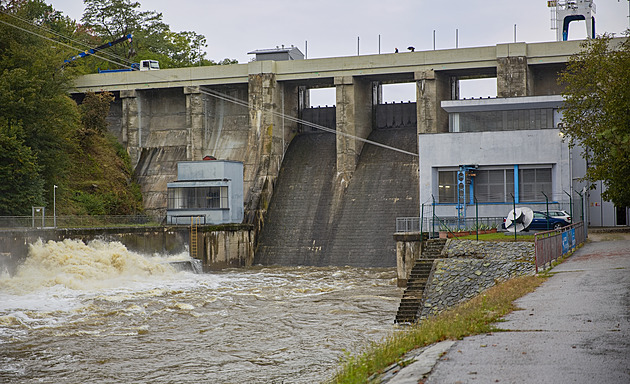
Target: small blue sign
[[572, 236], [565, 242]]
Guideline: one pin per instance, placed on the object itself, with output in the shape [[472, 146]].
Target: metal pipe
[[547, 206], [433, 216], [55, 206], [421, 222], [570, 203], [477, 217], [513, 212]]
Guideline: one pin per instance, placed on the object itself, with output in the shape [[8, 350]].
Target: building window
[[497, 185], [494, 185], [447, 186], [198, 198], [533, 183], [510, 120]]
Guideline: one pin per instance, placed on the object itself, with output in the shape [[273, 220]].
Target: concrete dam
[[312, 220], [311, 198]]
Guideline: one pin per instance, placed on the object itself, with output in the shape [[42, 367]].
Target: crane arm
[[103, 46]]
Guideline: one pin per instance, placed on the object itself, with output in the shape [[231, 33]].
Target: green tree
[[33, 87], [596, 112], [152, 37], [21, 184], [94, 111]]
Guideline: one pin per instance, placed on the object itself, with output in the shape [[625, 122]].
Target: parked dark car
[[543, 222]]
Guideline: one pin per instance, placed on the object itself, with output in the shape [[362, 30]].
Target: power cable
[[112, 55], [54, 41]]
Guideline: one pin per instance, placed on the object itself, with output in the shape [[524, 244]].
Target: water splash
[[75, 265]]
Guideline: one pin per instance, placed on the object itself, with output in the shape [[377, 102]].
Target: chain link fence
[[84, 221]]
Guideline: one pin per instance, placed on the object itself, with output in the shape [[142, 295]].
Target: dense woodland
[[46, 139]]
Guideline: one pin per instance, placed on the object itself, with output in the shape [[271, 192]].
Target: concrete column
[[131, 122], [195, 118], [431, 89], [354, 119], [513, 75], [269, 134]]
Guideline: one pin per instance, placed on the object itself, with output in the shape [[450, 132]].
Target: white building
[[210, 191], [502, 152]]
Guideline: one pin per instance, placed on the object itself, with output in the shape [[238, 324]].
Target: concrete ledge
[[408, 236]]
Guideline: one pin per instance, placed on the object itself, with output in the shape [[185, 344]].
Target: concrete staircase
[[411, 302]]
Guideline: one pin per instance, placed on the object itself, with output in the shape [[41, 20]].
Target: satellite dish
[[519, 219]]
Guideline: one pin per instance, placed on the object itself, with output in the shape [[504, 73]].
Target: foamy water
[[99, 313]]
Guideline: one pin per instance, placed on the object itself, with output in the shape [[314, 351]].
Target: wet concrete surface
[[575, 328]]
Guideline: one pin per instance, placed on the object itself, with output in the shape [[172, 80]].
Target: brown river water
[[97, 313]]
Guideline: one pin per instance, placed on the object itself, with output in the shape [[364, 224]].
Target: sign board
[[565, 242]]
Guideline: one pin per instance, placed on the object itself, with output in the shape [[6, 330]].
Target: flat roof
[[503, 103]]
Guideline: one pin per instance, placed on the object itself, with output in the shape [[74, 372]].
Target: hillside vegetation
[[50, 147]]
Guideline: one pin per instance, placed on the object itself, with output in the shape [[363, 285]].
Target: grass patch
[[499, 236], [475, 316]]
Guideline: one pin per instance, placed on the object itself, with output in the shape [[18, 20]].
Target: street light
[[55, 206]]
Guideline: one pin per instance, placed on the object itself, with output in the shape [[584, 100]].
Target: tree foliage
[[596, 112], [94, 111], [45, 138], [35, 111], [152, 37], [21, 185]]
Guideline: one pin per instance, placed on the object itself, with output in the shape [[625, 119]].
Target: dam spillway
[[312, 221]]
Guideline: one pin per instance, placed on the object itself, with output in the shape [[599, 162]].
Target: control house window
[[198, 198]]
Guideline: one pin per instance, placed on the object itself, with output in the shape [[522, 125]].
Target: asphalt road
[[575, 328]]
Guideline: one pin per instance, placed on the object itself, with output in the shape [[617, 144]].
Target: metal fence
[[551, 245], [41, 221], [436, 224]]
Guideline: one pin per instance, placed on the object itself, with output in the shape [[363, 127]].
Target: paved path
[[575, 328]]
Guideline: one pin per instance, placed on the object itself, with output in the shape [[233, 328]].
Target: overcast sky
[[331, 27]]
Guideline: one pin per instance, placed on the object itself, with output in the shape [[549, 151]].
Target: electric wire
[[112, 55], [54, 41], [234, 100]]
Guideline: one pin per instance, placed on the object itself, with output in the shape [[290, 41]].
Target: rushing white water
[[99, 313]]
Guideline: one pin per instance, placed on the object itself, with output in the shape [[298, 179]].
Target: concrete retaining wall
[[228, 249], [469, 267], [219, 246]]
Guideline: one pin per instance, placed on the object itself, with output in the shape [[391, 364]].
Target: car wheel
[[557, 226]]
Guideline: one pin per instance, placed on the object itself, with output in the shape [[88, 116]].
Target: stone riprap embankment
[[469, 267]]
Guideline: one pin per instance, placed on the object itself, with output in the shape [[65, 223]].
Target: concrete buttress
[[130, 123], [269, 135], [354, 119], [513, 77], [431, 89], [195, 118]]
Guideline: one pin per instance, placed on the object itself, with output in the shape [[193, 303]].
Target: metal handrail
[[549, 245], [74, 221]]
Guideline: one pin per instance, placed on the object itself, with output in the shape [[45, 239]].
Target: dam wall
[[316, 219], [249, 112]]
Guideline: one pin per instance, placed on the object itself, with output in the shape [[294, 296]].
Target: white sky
[[331, 27]]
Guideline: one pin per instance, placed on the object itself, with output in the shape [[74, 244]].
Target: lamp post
[[55, 206]]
